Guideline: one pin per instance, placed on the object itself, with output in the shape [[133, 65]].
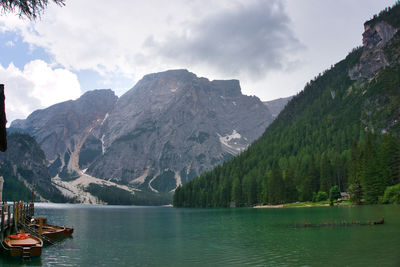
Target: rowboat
[[23, 245], [53, 232]]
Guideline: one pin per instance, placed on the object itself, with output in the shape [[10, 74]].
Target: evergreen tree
[[372, 184], [290, 186], [334, 193], [276, 187], [236, 191], [355, 191]]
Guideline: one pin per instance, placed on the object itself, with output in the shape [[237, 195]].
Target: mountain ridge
[[170, 127]]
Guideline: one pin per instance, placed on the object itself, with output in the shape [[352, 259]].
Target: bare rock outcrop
[[373, 58]]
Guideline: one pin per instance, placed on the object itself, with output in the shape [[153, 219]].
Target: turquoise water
[[164, 236]]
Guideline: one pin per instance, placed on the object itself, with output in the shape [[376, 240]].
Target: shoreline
[[280, 206], [300, 205]]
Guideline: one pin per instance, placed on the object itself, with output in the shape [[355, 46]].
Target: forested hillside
[[342, 130], [24, 169]]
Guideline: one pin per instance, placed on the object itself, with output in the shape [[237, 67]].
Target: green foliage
[[320, 196], [334, 193], [111, 194], [355, 191], [24, 161], [392, 194], [13, 189], [141, 198], [390, 14], [165, 182], [276, 187]]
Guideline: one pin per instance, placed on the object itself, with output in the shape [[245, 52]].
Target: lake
[[165, 236]]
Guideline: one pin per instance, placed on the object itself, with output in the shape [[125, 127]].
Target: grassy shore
[[307, 204]]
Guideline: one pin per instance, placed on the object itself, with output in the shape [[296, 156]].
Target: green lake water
[[164, 236]]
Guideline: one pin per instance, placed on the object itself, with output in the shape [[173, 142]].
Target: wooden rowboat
[[53, 232], [23, 245]]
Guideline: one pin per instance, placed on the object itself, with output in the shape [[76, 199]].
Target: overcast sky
[[272, 47]]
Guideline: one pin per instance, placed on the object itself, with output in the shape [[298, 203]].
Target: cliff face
[[173, 126], [61, 129], [170, 127], [24, 163], [373, 58]]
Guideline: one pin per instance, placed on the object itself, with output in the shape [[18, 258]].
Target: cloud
[[102, 36], [259, 42], [37, 86], [133, 38], [251, 39]]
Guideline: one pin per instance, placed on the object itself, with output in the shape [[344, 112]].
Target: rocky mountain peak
[[59, 128], [226, 88], [170, 127], [375, 37], [174, 125]]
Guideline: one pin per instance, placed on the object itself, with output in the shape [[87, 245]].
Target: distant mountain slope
[[163, 132], [343, 129], [173, 126], [23, 167], [276, 105], [61, 129]]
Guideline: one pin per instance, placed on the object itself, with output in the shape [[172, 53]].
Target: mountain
[[61, 129], [170, 127], [23, 167], [342, 130], [276, 105], [173, 126]]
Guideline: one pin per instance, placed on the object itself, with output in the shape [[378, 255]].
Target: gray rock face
[[277, 105], [173, 126], [61, 128], [375, 37], [170, 127]]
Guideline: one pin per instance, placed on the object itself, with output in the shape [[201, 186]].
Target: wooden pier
[[14, 217]]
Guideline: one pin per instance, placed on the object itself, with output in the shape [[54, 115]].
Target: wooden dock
[[14, 217]]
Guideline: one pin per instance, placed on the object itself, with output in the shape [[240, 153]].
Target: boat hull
[[19, 252], [54, 232], [25, 248]]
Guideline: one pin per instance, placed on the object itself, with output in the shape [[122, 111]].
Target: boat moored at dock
[[23, 245]]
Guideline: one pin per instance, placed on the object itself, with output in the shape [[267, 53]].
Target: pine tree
[[236, 191], [276, 187]]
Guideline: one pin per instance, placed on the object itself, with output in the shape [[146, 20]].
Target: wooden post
[[15, 215], [2, 222], [3, 120], [32, 208], [40, 227], [22, 219], [9, 218], [20, 210], [1, 187]]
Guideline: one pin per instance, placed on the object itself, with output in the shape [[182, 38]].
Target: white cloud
[[132, 38], [37, 86]]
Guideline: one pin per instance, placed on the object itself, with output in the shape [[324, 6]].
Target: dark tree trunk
[[3, 120]]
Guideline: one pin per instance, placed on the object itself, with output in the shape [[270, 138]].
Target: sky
[[272, 47]]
